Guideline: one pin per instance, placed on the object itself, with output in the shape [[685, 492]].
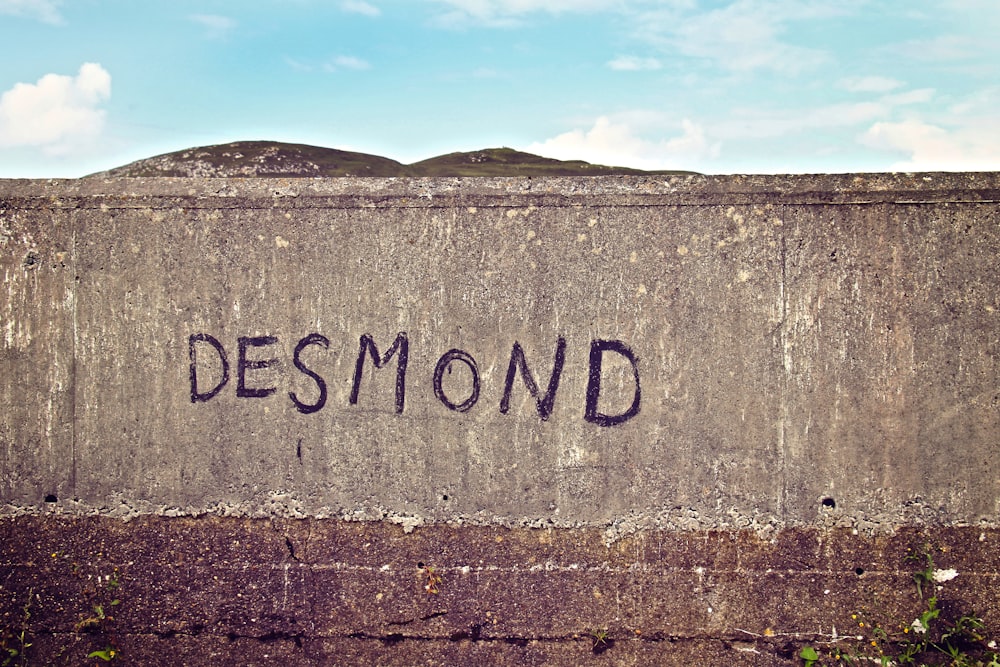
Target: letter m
[[367, 346]]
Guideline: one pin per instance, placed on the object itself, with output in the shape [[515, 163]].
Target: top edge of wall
[[650, 190]]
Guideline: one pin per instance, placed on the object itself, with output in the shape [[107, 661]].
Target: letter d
[[197, 396], [597, 349]]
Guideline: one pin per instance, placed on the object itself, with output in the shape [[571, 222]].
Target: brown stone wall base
[[219, 591]]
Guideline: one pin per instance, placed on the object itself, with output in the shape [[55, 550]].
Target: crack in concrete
[[291, 549], [428, 617]]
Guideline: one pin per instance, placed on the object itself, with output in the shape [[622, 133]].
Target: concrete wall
[[605, 355], [794, 339]]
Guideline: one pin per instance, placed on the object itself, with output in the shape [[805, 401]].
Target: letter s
[[304, 408]]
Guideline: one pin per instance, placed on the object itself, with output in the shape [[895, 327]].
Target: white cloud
[[334, 64], [916, 96], [739, 35], [46, 11], [944, 48], [965, 136], [634, 64], [215, 26], [616, 143], [760, 123], [487, 73], [346, 62], [360, 7], [745, 36], [298, 65], [742, 35], [482, 8], [502, 13], [869, 84], [974, 146], [58, 113], [981, 102]]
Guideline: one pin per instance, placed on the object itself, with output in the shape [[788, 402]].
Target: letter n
[[367, 345], [519, 363]]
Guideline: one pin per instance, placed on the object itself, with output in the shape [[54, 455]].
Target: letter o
[[443, 363]]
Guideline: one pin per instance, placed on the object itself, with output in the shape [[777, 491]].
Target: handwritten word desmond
[[201, 343]]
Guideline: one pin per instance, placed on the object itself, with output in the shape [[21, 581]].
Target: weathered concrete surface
[[208, 591], [817, 358], [795, 338]]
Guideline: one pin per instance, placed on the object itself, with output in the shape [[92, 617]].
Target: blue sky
[[718, 86]]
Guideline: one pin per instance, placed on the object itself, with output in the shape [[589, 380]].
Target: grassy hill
[[276, 159], [509, 162]]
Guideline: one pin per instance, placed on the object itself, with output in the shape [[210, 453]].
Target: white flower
[[941, 576], [918, 626]]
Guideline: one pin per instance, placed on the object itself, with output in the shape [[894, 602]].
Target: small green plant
[[95, 621], [602, 640], [433, 584], [925, 576], [929, 639], [17, 654], [99, 621], [107, 654], [600, 637]]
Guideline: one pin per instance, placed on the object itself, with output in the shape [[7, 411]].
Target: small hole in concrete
[[51, 498], [829, 502], [859, 571], [444, 497]]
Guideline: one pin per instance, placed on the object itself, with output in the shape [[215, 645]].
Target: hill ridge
[[260, 158]]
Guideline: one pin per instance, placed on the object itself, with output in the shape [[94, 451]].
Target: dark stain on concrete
[[214, 590]]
